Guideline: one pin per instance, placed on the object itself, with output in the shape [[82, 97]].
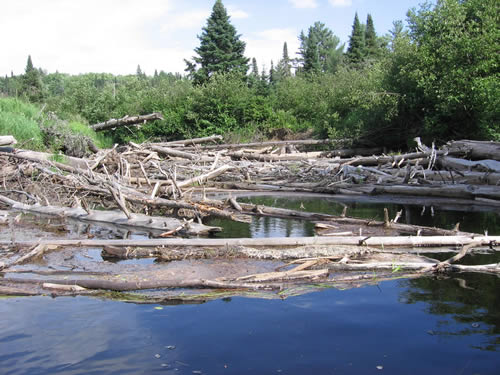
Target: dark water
[[406, 327], [487, 219], [419, 326]]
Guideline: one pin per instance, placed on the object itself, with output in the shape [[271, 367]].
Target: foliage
[[356, 51], [436, 78], [19, 119], [447, 69], [220, 50], [319, 49]]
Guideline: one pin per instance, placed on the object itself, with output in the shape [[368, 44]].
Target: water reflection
[[419, 326], [433, 216], [469, 299]]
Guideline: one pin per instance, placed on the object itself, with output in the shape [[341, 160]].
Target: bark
[[127, 120]]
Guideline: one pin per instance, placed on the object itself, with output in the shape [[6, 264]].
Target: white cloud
[[180, 21], [93, 36], [340, 3], [304, 3], [268, 45], [236, 13]]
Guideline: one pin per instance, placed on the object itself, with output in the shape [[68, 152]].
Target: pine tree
[[284, 67], [371, 43], [220, 50], [31, 83], [319, 49], [254, 76], [356, 50]]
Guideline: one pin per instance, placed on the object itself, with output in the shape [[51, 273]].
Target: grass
[[25, 121], [19, 120]]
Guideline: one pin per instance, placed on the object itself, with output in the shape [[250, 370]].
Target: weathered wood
[[118, 285], [127, 120], [271, 143], [382, 241], [267, 157], [486, 165], [7, 140], [137, 221], [191, 142], [475, 150], [171, 152]]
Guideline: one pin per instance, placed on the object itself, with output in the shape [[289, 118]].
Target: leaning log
[[125, 121]]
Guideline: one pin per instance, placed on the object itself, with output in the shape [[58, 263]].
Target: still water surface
[[427, 325]]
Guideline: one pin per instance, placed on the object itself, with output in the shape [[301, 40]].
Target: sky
[[115, 36]]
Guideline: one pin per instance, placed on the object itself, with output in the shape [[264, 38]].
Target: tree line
[[435, 77]]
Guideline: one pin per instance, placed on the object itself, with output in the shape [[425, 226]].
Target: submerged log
[[127, 120]]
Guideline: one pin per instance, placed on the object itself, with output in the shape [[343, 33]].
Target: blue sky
[[79, 36]]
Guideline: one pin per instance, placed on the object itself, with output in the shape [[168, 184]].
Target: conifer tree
[[356, 50], [319, 49], [371, 43], [284, 67], [31, 83], [220, 50]]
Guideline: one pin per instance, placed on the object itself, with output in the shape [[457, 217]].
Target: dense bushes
[[438, 79]]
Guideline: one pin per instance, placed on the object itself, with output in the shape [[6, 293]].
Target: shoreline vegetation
[[434, 76]]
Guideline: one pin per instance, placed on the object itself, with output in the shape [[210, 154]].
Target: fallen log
[[171, 152], [475, 150], [191, 142], [136, 221], [486, 165], [271, 143], [382, 241], [127, 120], [7, 140], [120, 286]]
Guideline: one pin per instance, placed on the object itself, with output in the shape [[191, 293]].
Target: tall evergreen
[[356, 51], [31, 82], [284, 66], [220, 50], [371, 43], [319, 49]]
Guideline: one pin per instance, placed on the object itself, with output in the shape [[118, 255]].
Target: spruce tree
[[31, 83], [371, 43], [220, 50], [284, 67], [356, 51]]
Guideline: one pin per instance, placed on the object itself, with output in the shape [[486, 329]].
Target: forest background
[[437, 77]]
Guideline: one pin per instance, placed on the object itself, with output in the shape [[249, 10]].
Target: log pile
[[164, 189]]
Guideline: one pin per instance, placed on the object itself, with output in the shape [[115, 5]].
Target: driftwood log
[[126, 121]]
